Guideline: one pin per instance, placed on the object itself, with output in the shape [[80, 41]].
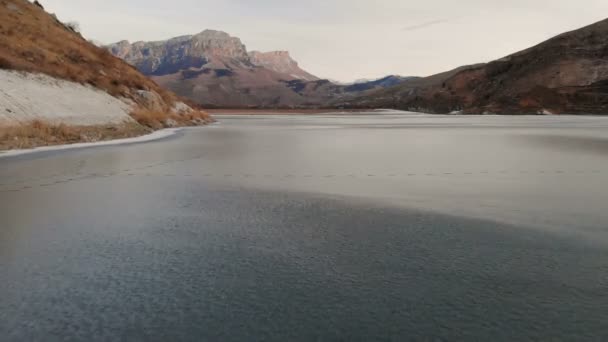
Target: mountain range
[[216, 70], [566, 74]]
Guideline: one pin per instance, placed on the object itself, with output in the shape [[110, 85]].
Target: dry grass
[[150, 118], [39, 133], [34, 41], [157, 119]]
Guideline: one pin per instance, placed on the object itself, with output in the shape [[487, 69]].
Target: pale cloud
[[346, 39], [424, 25]]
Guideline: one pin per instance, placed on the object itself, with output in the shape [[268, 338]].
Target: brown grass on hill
[[40, 133], [32, 40], [157, 119]]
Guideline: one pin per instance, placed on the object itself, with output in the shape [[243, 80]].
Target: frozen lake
[[328, 227]]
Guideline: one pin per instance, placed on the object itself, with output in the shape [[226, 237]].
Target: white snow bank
[[25, 97], [144, 138]]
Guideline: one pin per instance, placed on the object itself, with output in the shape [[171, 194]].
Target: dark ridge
[[384, 82], [223, 72], [168, 67], [190, 74], [295, 85]]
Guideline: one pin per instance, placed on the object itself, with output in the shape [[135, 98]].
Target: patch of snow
[[25, 97], [302, 77], [144, 138], [546, 112]]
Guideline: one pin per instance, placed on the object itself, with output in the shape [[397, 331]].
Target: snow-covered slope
[[25, 97]]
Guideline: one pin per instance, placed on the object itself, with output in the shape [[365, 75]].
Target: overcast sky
[[346, 39]]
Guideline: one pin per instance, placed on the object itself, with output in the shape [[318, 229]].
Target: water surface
[[368, 227]]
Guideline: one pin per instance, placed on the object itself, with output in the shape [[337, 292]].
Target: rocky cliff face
[[566, 74], [281, 62], [181, 53], [215, 70]]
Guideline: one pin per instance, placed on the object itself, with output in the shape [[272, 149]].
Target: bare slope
[[82, 83], [565, 74], [27, 97], [34, 41]]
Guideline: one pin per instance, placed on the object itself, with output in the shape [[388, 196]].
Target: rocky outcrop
[[150, 100], [209, 48], [121, 49], [281, 62]]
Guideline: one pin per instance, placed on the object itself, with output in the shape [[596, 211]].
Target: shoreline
[[220, 112], [294, 112], [39, 136], [152, 136]]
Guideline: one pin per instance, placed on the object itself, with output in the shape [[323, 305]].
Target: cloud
[[425, 25]]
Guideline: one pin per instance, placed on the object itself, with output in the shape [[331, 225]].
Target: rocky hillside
[[408, 94], [566, 74], [281, 62], [216, 70], [50, 72], [212, 49]]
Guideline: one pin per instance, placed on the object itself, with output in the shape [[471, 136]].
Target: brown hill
[[34, 41], [566, 74]]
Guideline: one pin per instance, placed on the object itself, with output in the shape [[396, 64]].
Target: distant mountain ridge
[[281, 62], [565, 74], [215, 69], [384, 82], [210, 47]]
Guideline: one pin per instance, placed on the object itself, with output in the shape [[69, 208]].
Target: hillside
[[281, 62], [408, 94], [76, 75], [565, 74]]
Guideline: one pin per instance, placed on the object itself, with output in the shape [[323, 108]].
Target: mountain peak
[[212, 34], [180, 53], [272, 53], [280, 61]]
